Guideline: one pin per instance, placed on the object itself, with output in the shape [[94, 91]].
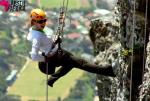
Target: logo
[[13, 5], [5, 4]]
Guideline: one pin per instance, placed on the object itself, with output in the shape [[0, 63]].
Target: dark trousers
[[69, 61]]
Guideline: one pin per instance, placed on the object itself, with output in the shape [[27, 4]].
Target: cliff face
[[124, 40]]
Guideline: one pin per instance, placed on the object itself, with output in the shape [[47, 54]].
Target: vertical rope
[[145, 31], [66, 7], [47, 81], [133, 33]]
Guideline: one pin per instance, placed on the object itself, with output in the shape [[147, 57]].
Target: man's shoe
[[51, 81], [106, 70]]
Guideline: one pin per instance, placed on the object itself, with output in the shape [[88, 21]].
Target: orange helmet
[[37, 14]]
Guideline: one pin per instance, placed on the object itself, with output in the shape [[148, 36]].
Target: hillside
[[72, 4], [31, 84]]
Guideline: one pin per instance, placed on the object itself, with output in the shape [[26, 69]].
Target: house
[[11, 77], [73, 35]]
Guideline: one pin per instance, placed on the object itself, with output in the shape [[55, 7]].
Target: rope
[[62, 16], [47, 81], [145, 31], [65, 9], [133, 32], [61, 23], [59, 32]]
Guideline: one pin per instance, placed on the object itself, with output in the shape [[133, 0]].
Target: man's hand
[[49, 56], [45, 57], [57, 39]]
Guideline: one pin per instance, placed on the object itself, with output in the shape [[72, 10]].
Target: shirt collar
[[37, 29]]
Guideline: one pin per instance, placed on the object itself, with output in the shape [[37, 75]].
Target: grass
[[72, 4], [31, 84], [3, 34]]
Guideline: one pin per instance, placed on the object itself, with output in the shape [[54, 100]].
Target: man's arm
[[53, 51], [35, 51]]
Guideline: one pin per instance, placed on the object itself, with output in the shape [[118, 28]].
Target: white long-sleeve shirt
[[40, 43]]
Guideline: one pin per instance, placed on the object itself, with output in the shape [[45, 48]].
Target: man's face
[[40, 24]]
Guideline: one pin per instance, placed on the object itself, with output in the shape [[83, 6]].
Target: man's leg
[[84, 65], [43, 67], [93, 68], [59, 73]]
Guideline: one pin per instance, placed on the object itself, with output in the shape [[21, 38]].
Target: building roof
[[73, 35], [101, 11], [11, 75]]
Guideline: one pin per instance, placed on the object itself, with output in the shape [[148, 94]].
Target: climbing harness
[[133, 37], [61, 24]]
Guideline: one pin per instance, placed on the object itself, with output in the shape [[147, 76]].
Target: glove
[[45, 57], [43, 54], [59, 40]]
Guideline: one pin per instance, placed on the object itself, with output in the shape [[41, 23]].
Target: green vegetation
[[83, 90], [3, 34], [72, 4], [31, 84]]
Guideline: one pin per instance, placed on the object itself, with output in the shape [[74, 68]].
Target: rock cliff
[[124, 39]]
